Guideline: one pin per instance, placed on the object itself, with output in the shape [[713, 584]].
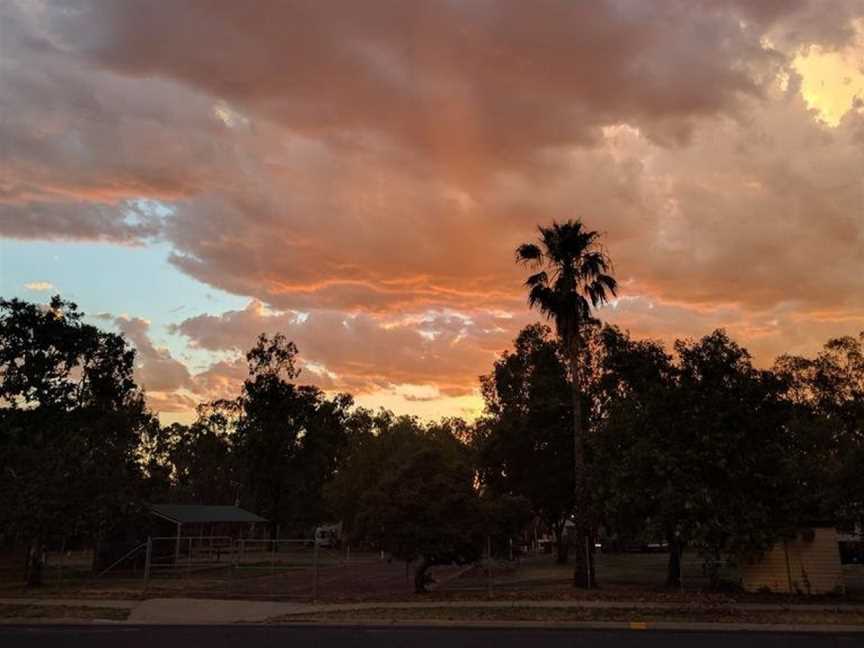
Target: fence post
[[315, 567], [272, 566], [62, 559], [489, 566], [235, 561], [189, 559], [147, 559], [273, 557]]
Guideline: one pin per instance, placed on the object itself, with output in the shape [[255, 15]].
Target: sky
[[357, 175]]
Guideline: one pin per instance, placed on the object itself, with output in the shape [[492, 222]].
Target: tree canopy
[[416, 497], [525, 440], [693, 445], [70, 426]]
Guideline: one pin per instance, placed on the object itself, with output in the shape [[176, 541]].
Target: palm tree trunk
[[673, 569], [583, 569]]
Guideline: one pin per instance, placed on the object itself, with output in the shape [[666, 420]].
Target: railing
[[174, 554], [227, 563], [125, 557]]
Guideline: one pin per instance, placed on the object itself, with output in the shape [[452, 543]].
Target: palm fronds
[[573, 274]]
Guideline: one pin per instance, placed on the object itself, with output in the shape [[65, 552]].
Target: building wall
[[813, 565]]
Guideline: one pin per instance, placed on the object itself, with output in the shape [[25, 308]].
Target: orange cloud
[[374, 165], [362, 353]]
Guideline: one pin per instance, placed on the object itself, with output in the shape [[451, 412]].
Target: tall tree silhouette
[[572, 277]]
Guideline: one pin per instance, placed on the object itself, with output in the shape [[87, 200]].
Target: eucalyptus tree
[[523, 443], [826, 394], [288, 438], [571, 277], [697, 450], [640, 455], [409, 490], [71, 422]]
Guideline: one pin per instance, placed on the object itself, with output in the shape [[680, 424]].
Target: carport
[[206, 520]]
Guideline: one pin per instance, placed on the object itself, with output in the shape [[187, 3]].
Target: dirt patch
[[15, 611], [355, 581], [368, 579], [623, 577]]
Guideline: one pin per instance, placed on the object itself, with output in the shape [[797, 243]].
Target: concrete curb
[[473, 603], [176, 611], [589, 604], [594, 625], [480, 625], [408, 605]]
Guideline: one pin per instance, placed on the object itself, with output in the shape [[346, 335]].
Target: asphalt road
[[389, 637]]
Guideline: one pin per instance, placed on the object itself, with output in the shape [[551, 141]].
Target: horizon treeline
[[694, 446]]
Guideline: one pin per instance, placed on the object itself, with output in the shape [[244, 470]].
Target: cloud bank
[[363, 171]]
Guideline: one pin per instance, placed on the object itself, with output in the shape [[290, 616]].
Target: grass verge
[[15, 611], [578, 615]]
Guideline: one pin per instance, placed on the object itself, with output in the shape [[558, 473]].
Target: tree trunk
[[711, 568], [420, 576], [673, 571], [98, 562], [583, 569], [583, 557], [34, 563], [562, 544]]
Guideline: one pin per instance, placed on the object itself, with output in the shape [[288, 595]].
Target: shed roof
[[200, 513]]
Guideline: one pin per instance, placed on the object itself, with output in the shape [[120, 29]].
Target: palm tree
[[571, 279]]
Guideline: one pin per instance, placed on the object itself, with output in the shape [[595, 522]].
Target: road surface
[[45, 636]]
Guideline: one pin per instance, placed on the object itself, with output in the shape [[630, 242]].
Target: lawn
[[625, 570], [626, 576]]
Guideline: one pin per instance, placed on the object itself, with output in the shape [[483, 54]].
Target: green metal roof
[[199, 513]]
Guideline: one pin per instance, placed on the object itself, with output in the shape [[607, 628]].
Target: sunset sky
[[358, 174]]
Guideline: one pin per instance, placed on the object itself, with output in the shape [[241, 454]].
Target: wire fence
[[285, 568], [305, 570], [300, 569]]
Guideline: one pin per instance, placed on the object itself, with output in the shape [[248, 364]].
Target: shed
[[206, 520], [204, 514], [809, 563]]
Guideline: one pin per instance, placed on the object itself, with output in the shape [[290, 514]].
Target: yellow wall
[[815, 563]]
